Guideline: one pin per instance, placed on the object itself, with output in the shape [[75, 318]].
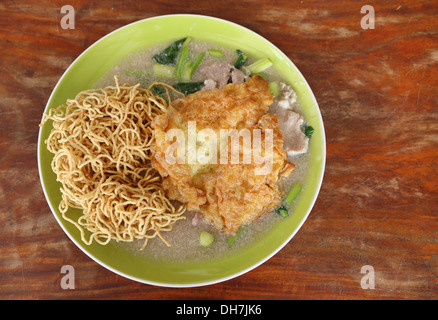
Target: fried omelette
[[227, 195]]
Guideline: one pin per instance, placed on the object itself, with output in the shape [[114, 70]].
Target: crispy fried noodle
[[101, 145]]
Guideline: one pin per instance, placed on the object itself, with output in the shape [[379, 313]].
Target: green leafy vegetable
[[186, 68], [168, 56], [189, 68], [186, 72], [159, 91], [241, 59], [186, 42], [198, 61], [188, 87], [308, 131], [282, 211], [182, 57], [165, 71], [290, 197], [292, 194], [260, 65], [195, 65]]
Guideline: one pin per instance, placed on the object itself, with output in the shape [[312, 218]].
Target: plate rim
[[201, 283]]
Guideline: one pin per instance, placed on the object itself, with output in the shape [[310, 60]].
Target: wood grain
[[377, 93]]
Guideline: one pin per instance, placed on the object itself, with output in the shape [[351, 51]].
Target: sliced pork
[[220, 74], [290, 122]]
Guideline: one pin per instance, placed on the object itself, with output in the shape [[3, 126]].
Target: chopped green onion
[[292, 194], [260, 65], [215, 53], [162, 70], [282, 211], [206, 239], [274, 87], [308, 131], [241, 59]]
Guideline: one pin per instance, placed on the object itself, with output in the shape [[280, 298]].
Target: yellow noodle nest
[[101, 145]]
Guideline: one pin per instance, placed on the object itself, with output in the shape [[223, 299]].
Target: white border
[[176, 285]]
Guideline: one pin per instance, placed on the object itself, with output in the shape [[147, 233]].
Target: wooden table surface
[[377, 91]]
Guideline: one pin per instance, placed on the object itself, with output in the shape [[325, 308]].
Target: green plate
[[94, 62]]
